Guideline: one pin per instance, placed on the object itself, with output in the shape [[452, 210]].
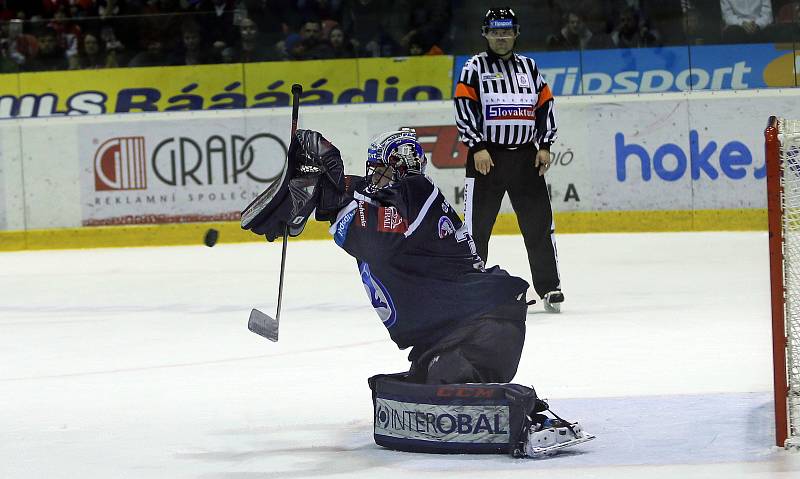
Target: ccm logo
[[465, 392]]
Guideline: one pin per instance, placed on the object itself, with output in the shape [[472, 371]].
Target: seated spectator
[[160, 19], [81, 8], [69, 32], [631, 32], [6, 11], [786, 11], [682, 22], [10, 58], [341, 46], [327, 26], [365, 21], [598, 16], [50, 7], [427, 20], [419, 44], [17, 45], [50, 56], [702, 25], [284, 47], [574, 35], [120, 15], [310, 45], [152, 56], [218, 22], [274, 18], [669, 17], [745, 20], [110, 42], [228, 55], [191, 51], [322, 9], [251, 46], [108, 8], [787, 23], [92, 55], [7, 65], [25, 9]]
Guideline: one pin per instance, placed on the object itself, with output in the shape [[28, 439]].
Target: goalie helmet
[[392, 156]]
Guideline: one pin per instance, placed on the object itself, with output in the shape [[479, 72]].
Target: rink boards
[[656, 162]]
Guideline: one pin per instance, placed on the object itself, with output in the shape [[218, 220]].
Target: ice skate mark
[[88, 310], [336, 460], [350, 427], [235, 456], [347, 447], [193, 364]]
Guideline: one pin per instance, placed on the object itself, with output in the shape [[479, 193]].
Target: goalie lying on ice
[[464, 323]]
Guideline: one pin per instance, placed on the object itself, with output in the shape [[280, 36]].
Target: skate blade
[[543, 451], [263, 325], [552, 307]]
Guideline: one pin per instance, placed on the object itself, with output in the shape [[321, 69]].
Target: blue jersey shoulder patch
[[342, 227]]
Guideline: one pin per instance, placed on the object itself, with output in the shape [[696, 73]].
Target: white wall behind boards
[[676, 151]]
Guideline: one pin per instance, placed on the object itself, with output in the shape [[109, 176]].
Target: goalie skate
[[552, 435]]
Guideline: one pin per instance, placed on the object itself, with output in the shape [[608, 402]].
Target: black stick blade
[[263, 325]]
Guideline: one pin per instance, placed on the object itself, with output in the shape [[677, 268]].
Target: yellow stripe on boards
[[647, 221], [230, 232], [137, 236]]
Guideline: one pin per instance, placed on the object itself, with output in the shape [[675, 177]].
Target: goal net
[[782, 146]]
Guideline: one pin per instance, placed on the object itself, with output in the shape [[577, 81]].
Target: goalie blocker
[[310, 181]]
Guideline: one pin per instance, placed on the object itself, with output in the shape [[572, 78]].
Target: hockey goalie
[[464, 323]]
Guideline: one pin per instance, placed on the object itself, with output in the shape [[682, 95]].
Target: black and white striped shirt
[[504, 102]]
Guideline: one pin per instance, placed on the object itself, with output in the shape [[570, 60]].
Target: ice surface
[[137, 363]]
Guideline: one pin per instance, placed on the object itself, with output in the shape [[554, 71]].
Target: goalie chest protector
[[449, 418]]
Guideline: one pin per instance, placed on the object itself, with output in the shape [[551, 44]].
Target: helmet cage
[[394, 156]]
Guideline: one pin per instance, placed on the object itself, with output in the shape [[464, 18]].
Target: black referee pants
[[514, 172]]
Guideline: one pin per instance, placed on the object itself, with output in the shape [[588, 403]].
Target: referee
[[504, 109]]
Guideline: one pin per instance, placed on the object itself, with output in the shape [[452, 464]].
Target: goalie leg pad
[[450, 418]]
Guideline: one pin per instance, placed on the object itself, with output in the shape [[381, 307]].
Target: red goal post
[[782, 150]]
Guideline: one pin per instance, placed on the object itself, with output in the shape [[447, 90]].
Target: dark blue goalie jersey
[[418, 262]]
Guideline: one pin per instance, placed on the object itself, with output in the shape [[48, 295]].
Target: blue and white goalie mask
[[392, 156]]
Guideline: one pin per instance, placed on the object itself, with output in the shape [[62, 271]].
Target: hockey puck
[[211, 237]]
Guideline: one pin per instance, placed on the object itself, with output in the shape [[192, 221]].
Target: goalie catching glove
[[314, 179]]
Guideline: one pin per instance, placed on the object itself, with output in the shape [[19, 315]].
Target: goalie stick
[[259, 322]]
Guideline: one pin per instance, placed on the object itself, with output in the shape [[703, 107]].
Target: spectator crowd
[[43, 35], [649, 23]]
